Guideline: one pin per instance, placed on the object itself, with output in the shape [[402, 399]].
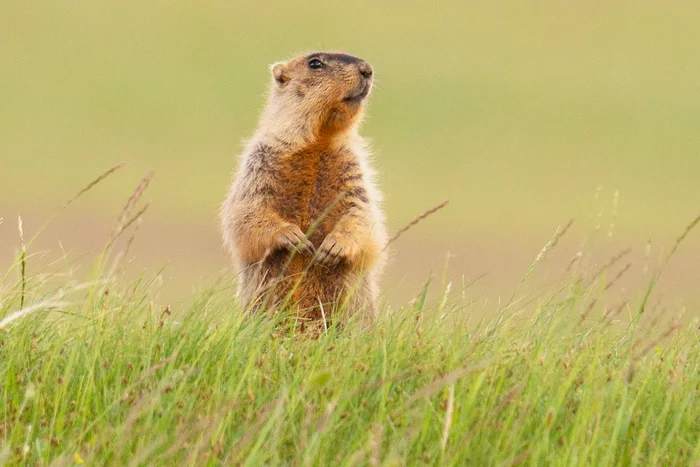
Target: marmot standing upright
[[306, 172]]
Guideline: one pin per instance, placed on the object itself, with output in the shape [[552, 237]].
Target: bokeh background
[[522, 114]]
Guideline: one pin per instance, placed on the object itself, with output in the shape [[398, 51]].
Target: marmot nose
[[365, 70]]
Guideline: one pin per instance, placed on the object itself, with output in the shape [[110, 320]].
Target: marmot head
[[322, 93]]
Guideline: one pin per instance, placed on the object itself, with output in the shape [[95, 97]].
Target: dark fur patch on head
[[342, 58], [345, 59]]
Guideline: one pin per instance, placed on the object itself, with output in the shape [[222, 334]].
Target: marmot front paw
[[292, 238], [334, 248]]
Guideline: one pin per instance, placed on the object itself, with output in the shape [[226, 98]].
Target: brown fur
[[306, 172]]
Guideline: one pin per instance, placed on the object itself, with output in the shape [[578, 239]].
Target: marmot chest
[[311, 184]]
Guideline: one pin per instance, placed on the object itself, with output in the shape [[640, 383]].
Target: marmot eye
[[315, 64]]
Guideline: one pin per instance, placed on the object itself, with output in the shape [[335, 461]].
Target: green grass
[[98, 372]]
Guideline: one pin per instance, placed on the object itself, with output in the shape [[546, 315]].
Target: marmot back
[[302, 219]]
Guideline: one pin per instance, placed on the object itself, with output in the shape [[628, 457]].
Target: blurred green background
[[522, 114]]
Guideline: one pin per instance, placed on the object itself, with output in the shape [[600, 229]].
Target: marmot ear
[[279, 71]]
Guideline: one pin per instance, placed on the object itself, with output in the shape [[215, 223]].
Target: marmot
[[302, 219]]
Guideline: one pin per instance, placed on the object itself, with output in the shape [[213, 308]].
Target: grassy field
[[95, 372]]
